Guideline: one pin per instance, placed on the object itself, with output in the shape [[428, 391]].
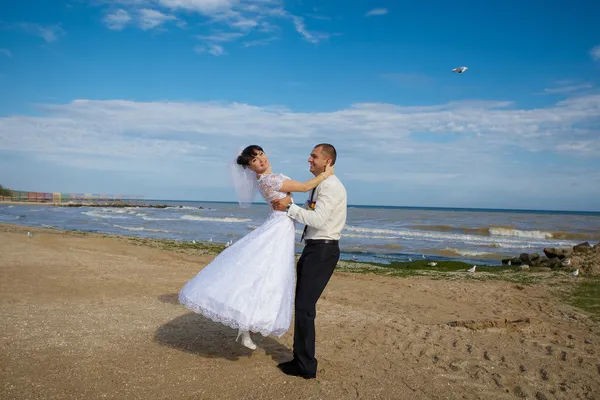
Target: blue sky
[[153, 97]]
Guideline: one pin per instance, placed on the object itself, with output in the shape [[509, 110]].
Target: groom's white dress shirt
[[328, 218]]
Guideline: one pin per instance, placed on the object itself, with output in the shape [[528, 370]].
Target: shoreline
[[417, 267], [435, 256], [71, 204]]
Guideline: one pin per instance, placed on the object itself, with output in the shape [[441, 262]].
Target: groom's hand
[[281, 204]]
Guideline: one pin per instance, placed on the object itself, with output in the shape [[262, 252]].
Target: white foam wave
[[214, 219], [101, 214], [354, 235], [468, 253], [160, 219], [520, 233], [500, 241], [140, 229]]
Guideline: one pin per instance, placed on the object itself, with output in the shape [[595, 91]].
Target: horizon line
[[384, 206]]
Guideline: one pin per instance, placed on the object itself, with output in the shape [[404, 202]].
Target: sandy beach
[[96, 316]]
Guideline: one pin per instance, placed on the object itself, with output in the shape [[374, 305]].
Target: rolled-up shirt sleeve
[[318, 217]]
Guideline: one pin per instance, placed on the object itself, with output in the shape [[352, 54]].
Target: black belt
[[320, 241]]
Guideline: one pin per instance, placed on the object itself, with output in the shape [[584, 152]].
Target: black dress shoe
[[293, 369], [287, 364]]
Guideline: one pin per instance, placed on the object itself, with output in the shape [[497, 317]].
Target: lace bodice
[[270, 185]]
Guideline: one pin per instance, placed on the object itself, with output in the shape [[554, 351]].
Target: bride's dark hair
[[248, 154]]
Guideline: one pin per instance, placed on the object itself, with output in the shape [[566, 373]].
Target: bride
[[250, 285]]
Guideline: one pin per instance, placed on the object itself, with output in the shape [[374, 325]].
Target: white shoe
[[246, 340]]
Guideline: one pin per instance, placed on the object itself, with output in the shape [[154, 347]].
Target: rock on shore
[[584, 256]]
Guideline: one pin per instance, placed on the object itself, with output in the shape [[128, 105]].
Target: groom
[[324, 217]]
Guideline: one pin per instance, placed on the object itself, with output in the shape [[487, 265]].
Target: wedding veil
[[244, 181]]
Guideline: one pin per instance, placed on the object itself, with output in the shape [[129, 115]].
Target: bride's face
[[260, 163]]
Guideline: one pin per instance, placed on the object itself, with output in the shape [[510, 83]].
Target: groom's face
[[317, 161]]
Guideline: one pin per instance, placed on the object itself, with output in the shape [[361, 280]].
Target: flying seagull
[[460, 70]]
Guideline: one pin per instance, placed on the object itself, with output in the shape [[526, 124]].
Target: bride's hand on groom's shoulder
[[329, 170]]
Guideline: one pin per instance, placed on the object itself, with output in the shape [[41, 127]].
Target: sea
[[372, 233]]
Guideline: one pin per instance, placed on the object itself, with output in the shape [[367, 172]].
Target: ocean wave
[[181, 208], [436, 236], [215, 219], [449, 228], [355, 235], [499, 231], [100, 214], [509, 231], [160, 219], [140, 229], [537, 234], [7, 217], [466, 253]]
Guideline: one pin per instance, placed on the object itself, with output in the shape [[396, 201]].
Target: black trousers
[[315, 267]]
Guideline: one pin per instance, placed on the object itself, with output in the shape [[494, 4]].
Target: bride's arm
[[295, 186]]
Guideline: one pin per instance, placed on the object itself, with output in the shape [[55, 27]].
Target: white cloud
[[238, 18], [595, 53], [221, 37], [376, 12], [201, 6], [259, 42], [312, 37], [401, 176], [6, 52], [117, 20], [50, 33], [479, 146], [214, 49], [568, 89], [480, 124], [149, 18]]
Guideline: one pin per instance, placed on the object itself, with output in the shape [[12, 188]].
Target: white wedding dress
[[250, 286]]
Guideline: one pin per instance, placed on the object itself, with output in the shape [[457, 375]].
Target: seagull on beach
[[472, 270], [567, 262], [210, 240], [432, 264], [29, 235], [193, 241], [575, 273], [460, 70]]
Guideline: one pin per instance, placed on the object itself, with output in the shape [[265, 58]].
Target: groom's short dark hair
[[329, 150]]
